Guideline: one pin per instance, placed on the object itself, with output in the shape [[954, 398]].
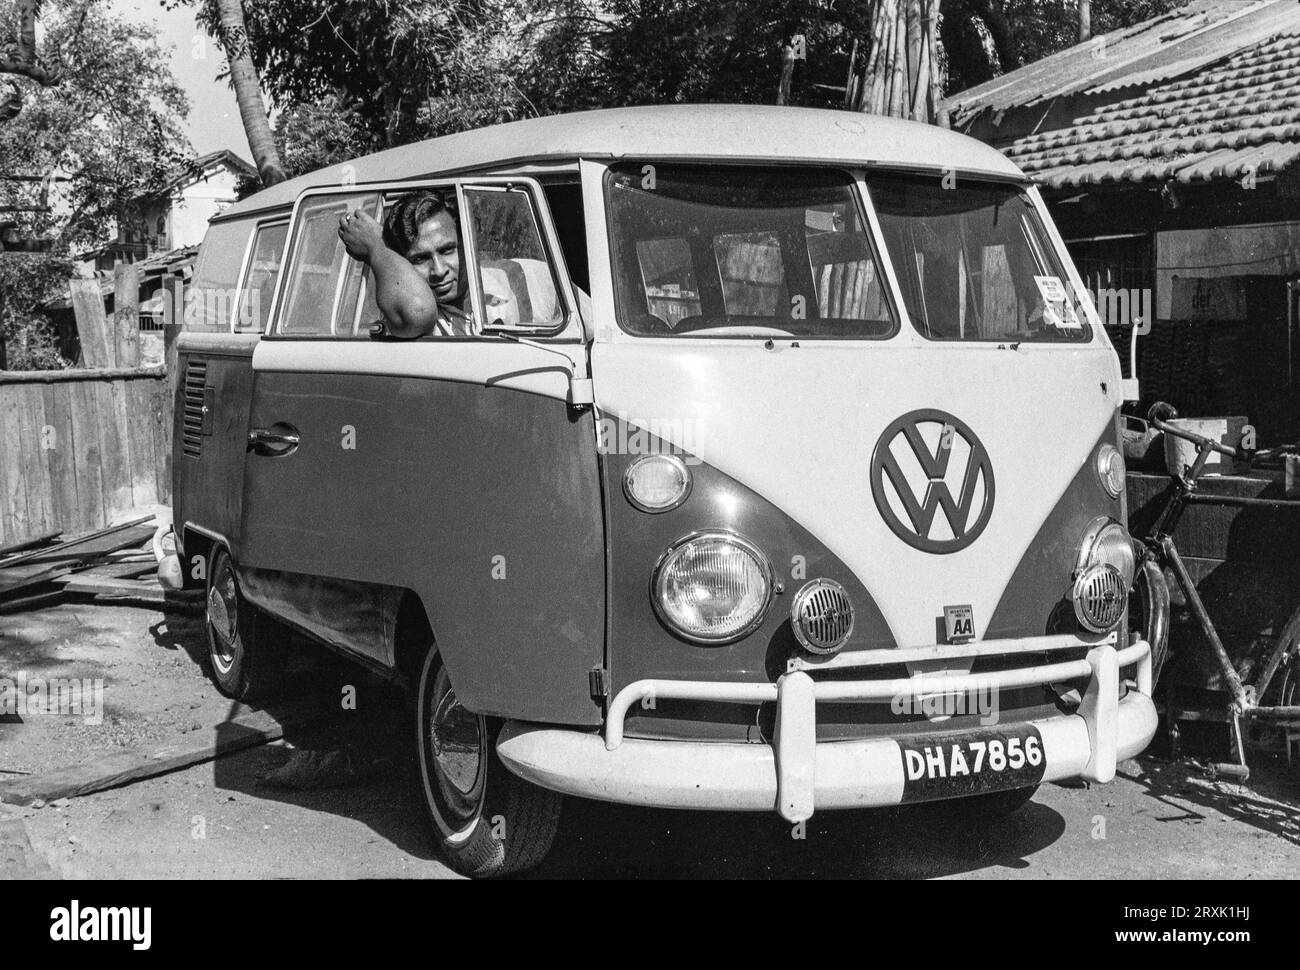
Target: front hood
[[799, 424]]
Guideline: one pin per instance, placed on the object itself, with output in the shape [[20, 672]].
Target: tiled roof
[[1160, 49], [1225, 121]]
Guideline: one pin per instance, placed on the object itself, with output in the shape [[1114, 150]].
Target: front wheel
[[487, 821], [238, 635]]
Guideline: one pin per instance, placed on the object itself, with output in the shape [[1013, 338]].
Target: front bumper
[[795, 774]]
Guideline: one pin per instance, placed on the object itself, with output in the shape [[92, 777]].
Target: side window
[[262, 275], [321, 298], [517, 280], [210, 300]]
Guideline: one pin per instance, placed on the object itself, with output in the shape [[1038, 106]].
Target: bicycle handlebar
[[1161, 413]]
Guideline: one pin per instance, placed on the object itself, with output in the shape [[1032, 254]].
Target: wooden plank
[[85, 433], [90, 545], [61, 459], [79, 375], [8, 530], [126, 314], [33, 574], [247, 731], [161, 410], [114, 462], [29, 544], [135, 588], [141, 437], [97, 347], [113, 572], [173, 318], [37, 436], [13, 503]]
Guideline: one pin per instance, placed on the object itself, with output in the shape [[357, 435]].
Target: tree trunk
[[1085, 20], [787, 74], [899, 73], [248, 92]]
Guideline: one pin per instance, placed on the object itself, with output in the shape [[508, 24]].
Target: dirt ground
[[334, 798]]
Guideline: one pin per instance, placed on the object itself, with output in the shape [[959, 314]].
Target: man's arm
[[401, 293]]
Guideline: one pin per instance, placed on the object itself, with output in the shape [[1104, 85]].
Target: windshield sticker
[[1058, 311]]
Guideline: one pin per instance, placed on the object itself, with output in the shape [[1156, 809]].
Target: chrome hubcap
[[223, 619], [459, 752]]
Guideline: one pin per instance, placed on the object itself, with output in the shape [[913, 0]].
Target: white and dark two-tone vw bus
[[777, 471]]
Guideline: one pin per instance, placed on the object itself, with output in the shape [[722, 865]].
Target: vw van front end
[[863, 494]]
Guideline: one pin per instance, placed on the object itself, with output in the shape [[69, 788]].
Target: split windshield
[[974, 261], [743, 251], [739, 251]]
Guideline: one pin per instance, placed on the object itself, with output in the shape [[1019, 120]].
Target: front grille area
[[196, 378]]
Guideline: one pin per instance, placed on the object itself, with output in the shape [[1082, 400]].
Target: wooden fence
[[81, 448]]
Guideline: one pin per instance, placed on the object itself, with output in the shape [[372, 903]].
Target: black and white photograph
[[584, 440]]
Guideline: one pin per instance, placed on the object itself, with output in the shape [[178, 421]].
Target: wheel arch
[[412, 636], [199, 542]]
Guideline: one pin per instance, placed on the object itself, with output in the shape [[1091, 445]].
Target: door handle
[[279, 439]]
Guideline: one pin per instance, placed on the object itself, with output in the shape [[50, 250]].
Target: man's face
[[436, 254]]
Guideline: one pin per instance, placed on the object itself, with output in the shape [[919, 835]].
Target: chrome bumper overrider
[[795, 774]]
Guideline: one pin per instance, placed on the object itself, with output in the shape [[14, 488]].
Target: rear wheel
[[487, 821], [237, 635]]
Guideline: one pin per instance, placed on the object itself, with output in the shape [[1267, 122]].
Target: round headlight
[[657, 483], [1107, 543], [1110, 469], [713, 587]]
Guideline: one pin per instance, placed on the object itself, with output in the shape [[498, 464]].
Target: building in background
[[177, 217], [1169, 153]]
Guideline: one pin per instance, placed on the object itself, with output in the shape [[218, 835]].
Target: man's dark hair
[[402, 222]]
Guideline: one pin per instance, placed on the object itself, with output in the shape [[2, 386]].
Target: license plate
[[971, 762]]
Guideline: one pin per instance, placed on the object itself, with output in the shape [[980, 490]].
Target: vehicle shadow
[[344, 747], [915, 842]]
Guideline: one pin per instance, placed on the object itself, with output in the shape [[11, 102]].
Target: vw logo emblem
[[920, 459]]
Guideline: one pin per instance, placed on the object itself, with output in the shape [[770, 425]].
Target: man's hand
[[361, 234]]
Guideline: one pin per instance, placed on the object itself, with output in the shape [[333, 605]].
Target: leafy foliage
[[79, 151], [349, 75], [27, 281], [82, 150]]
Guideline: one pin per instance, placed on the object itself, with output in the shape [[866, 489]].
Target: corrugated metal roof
[[1165, 47], [1225, 121]]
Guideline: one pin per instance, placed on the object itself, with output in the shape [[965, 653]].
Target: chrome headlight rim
[[1102, 463], [673, 460], [1092, 535], [741, 542]]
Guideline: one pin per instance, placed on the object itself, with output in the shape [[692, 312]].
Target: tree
[[97, 128], [899, 74], [233, 36], [408, 69], [105, 132], [20, 57]]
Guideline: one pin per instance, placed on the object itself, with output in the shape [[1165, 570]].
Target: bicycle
[[1158, 548]]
